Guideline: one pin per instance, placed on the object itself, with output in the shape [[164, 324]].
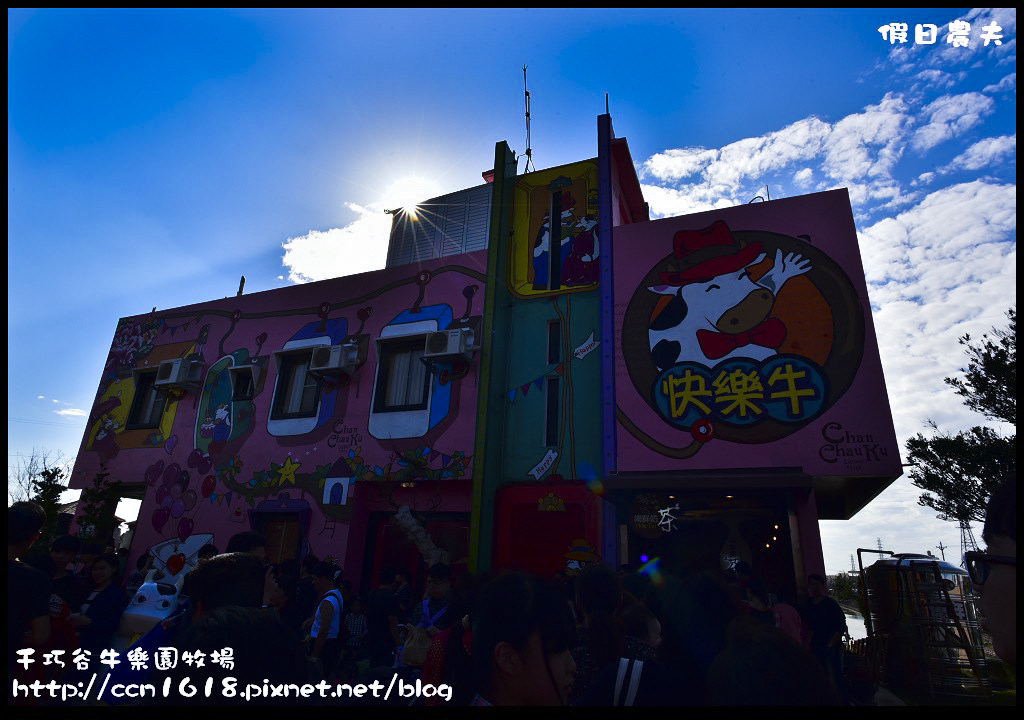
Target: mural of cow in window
[[717, 311]]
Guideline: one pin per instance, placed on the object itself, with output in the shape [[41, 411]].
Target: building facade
[[542, 377]]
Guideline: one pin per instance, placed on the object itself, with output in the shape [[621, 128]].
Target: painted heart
[[209, 485], [178, 508], [161, 493], [153, 472], [204, 465], [175, 563], [189, 498], [160, 518], [185, 526], [184, 478], [194, 457], [169, 446]]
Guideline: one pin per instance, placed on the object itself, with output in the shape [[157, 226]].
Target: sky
[[155, 157]]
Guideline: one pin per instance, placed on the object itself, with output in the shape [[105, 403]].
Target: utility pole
[[853, 568], [879, 543], [942, 549]]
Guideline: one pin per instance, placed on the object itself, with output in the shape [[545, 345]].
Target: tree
[[48, 488], [96, 514], [960, 472], [990, 383]]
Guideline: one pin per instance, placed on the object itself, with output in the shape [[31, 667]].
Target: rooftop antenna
[[942, 549], [529, 151]]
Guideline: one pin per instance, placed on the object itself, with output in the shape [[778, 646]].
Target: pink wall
[[218, 461], [800, 388]]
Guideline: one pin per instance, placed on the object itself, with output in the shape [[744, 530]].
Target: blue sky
[[154, 157]]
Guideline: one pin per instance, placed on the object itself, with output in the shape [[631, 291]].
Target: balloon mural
[[173, 496]]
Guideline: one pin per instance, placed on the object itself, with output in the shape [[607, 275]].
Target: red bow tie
[[768, 334]]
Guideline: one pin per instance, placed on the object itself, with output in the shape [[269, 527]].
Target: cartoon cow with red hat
[[717, 312]]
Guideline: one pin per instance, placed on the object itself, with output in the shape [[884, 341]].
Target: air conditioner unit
[[334, 358], [178, 372], [449, 343]]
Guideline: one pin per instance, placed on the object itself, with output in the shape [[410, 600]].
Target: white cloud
[[40, 397], [360, 246], [943, 268], [1009, 82], [75, 412], [678, 163], [983, 153], [949, 116], [802, 178], [54, 401]]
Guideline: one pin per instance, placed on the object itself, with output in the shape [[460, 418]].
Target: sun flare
[[407, 191]]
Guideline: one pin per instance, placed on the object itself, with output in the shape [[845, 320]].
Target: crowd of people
[[604, 637]]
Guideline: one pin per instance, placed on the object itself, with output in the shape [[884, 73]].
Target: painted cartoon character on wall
[[581, 266], [578, 556], [222, 424], [716, 310], [542, 243]]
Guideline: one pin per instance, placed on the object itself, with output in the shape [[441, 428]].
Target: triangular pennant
[[539, 382], [559, 368], [228, 496], [525, 388], [465, 462], [426, 451], [213, 498], [511, 395]]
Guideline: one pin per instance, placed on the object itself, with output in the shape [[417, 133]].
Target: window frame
[[285, 361], [145, 384], [385, 351]]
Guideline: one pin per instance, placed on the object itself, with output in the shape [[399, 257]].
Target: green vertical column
[[490, 418]]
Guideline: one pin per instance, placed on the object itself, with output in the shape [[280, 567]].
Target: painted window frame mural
[[147, 395], [571, 192], [286, 388], [388, 352]]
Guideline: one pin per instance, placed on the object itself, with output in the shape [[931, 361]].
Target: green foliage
[[96, 519], [844, 589], [989, 386], [959, 472], [47, 487]]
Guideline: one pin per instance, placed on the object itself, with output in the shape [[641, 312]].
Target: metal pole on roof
[[529, 150]]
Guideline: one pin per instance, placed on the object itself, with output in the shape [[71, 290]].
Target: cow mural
[[716, 310], [733, 331]]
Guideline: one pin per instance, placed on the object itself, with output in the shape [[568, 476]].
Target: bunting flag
[[538, 381]]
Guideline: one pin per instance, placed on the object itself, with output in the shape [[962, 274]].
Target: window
[[148, 404], [554, 342], [298, 391], [243, 385], [551, 413], [403, 382]]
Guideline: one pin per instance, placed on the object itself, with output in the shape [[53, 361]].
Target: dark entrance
[[389, 546], [712, 531]]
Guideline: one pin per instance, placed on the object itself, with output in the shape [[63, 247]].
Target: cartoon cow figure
[[717, 312]]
